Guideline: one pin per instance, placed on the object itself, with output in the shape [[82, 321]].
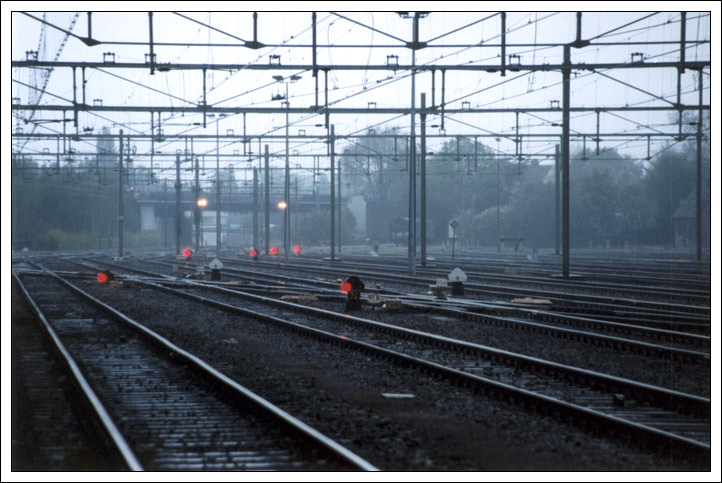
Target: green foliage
[[613, 198], [75, 208], [669, 179], [314, 226]]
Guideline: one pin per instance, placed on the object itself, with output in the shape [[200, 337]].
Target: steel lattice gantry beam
[[563, 131], [490, 68]]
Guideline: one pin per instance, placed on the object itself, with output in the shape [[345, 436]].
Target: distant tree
[[314, 226], [375, 168], [530, 213], [76, 201], [669, 179]]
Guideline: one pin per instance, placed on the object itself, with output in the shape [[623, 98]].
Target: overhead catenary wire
[[401, 76]]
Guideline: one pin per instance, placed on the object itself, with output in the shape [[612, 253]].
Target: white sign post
[[215, 267], [457, 277], [453, 224]]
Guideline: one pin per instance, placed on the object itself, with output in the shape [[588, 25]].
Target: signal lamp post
[[498, 197], [218, 186], [200, 204], [283, 206], [287, 177]]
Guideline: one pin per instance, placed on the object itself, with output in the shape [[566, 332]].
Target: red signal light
[[346, 287], [105, 276], [253, 252], [274, 251], [297, 250], [187, 252]]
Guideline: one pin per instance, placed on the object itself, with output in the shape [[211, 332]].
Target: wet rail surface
[[657, 414], [53, 429], [519, 277], [659, 273], [638, 338], [173, 417], [677, 414], [573, 294], [638, 312]]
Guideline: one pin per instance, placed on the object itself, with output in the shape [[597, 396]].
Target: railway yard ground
[[159, 362]]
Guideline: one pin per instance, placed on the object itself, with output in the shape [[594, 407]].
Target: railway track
[[568, 300], [170, 410], [521, 280], [639, 270], [644, 340], [52, 426], [651, 415]]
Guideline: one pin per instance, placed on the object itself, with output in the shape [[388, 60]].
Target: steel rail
[[226, 382], [667, 398], [487, 316], [99, 412], [560, 297], [517, 279]]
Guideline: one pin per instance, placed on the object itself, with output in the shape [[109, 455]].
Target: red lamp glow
[[187, 252], [274, 251], [102, 277], [253, 252], [345, 287], [297, 250]]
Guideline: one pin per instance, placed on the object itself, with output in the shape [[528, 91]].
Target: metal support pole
[[498, 201], [412, 157], [82, 86], [433, 88], [197, 208], [443, 95], [75, 102], [699, 171], [152, 145], [579, 29], [218, 192], [255, 28], [556, 199], [517, 144], [423, 179], [325, 102], [598, 140], [566, 81], [476, 152], [178, 220], [267, 195], [679, 103], [503, 44], [165, 214], [120, 196], [333, 191], [682, 40], [205, 104], [255, 209], [150, 30], [313, 53], [338, 213], [287, 193]]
